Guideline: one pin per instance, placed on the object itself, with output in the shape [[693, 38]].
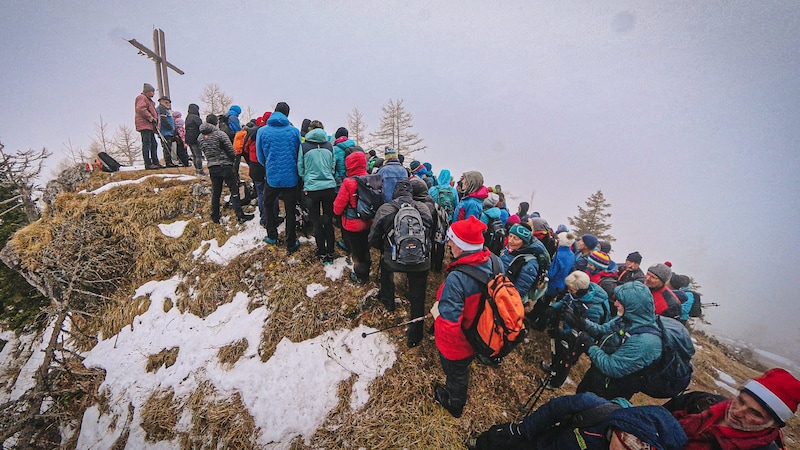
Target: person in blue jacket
[[619, 353], [586, 421], [524, 272], [276, 148], [233, 118], [472, 193], [561, 266], [391, 172], [341, 144]]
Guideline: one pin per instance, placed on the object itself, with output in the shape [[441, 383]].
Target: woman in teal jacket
[[315, 164], [619, 354]]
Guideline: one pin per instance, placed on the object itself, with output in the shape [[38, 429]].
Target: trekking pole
[[418, 319], [533, 399]]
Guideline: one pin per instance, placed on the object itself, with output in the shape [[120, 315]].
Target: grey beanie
[[662, 271], [148, 88]]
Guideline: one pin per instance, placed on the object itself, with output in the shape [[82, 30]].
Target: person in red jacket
[[355, 232], [456, 302], [667, 304], [147, 124]]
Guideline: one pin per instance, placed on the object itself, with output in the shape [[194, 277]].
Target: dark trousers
[[289, 202], [437, 257], [607, 387], [358, 244], [182, 154], [197, 156], [149, 148], [259, 187], [565, 356], [457, 373], [219, 175], [417, 285], [320, 213], [166, 145]]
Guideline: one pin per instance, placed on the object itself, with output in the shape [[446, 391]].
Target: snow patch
[[315, 288], [174, 229]]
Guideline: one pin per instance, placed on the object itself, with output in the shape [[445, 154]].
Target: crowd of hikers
[[506, 274]]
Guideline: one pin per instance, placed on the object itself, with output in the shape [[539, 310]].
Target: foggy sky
[[684, 114]]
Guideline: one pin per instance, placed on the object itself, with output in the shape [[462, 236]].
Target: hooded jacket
[[192, 124], [459, 297], [443, 182], [233, 118], [315, 161], [419, 192], [339, 151], [276, 148], [383, 223], [471, 204], [616, 354], [216, 146], [559, 269], [652, 424], [346, 197]]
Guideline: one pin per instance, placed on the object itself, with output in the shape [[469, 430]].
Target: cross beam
[[159, 56]]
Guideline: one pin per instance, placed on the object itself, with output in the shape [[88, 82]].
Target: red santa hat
[[467, 234], [777, 391]]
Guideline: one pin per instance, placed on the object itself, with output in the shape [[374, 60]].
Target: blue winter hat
[[521, 232], [589, 241]]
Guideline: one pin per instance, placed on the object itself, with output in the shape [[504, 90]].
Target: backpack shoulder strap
[[478, 274], [593, 416]]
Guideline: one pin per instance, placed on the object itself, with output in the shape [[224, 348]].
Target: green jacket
[[315, 161]]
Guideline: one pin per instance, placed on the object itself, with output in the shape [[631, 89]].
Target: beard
[[741, 425]]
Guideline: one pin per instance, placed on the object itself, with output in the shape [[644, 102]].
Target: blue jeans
[[149, 148]]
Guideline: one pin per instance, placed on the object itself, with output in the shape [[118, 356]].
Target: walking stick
[[418, 319]]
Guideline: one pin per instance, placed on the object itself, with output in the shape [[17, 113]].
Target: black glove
[[154, 122], [500, 436], [583, 341], [575, 321]]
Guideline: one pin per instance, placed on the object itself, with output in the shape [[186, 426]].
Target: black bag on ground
[[107, 163]]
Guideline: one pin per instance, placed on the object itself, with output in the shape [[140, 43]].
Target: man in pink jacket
[[146, 121]]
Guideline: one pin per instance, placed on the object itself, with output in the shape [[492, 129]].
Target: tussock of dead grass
[[165, 358], [219, 422], [229, 354], [160, 414]]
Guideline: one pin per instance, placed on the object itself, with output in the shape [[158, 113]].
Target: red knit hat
[[467, 234], [777, 391]]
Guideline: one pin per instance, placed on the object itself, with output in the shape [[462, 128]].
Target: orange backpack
[[238, 141], [498, 323]]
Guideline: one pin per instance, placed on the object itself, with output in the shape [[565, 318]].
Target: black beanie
[[342, 131], [212, 119], [634, 257], [282, 108]]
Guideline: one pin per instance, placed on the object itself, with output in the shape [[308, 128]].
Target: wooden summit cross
[[160, 58]]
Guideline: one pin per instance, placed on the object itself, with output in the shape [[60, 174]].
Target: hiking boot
[[159, 166], [545, 366], [389, 305], [293, 248], [442, 397], [329, 258], [488, 361], [357, 280], [200, 173], [245, 217], [150, 167], [270, 241]]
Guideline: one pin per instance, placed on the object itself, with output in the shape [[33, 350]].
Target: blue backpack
[[671, 373]]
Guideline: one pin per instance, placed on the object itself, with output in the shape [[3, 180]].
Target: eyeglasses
[[630, 441]]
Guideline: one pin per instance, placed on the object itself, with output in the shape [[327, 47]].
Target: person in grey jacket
[[220, 156]]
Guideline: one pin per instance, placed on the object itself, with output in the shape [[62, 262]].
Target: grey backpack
[[409, 246]]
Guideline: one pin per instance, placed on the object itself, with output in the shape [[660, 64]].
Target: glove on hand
[[575, 322], [154, 122], [500, 436], [584, 341], [435, 310]]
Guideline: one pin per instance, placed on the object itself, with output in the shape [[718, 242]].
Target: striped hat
[[599, 259], [778, 391]]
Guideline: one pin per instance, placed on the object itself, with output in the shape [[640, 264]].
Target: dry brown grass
[[160, 414], [164, 358], [219, 422], [229, 354]]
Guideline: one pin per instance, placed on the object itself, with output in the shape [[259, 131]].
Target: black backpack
[[697, 307], [671, 373], [107, 163], [369, 197], [222, 123], [495, 236]]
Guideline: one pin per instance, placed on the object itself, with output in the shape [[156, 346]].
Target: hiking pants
[[149, 148], [219, 175], [170, 152], [607, 387], [197, 156], [259, 187], [565, 355], [323, 222], [289, 202], [457, 373], [358, 244], [417, 285], [437, 257]]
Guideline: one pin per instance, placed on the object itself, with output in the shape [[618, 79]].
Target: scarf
[[704, 429]]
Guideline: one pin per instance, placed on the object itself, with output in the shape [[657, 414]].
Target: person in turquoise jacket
[[472, 192], [618, 354], [341, 144], [315, 164]]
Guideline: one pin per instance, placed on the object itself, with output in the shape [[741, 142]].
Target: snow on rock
[[174, 229], [249, 238], [166, 176], [289, 395]]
